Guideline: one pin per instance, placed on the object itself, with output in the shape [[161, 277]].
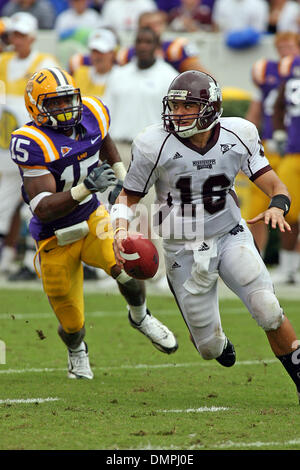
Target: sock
[[79, 348], [28, 260], [291, 363], [138, 313], [289, 261], [7, 257]]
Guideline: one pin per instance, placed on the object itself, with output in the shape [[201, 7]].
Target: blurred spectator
[[134, 97], [122, 15], [42, 10], [191, 16], [237, 15], [15, 68], [97, 5], [275, 9], [289, 18], [167, 5], [265, 75], [4, 33], [59, 6], [178, 52], [77, 16], [92, 80], [2, 3]]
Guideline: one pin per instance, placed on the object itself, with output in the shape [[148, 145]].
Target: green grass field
[[140, 398]]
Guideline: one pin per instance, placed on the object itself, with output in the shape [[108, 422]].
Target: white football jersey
[[201, 181]]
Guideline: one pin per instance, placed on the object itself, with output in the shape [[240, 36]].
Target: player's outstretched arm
[[279, 206]]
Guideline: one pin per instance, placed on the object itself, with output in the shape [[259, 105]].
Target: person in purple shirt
[[58, 157]]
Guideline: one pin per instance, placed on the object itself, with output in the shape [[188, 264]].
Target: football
[[141, 257]]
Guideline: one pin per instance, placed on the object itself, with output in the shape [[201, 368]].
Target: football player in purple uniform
[[192, 158], [286, 132], [58, 157], [266, 77]]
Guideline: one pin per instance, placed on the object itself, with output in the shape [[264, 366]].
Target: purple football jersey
[[292, 108], [267, 79], [68, 160]]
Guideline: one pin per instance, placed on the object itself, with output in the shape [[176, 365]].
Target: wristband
[[121, 211], [118, 230], [281, 201], [119, 170], [80, 192]]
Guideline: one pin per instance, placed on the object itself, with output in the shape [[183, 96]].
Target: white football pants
[[242, 269]]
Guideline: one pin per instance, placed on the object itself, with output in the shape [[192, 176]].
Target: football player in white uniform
[[193, 159]]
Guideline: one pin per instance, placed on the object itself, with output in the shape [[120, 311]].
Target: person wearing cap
[[42, 10], [4, 36], [92, 80], [15, 67]]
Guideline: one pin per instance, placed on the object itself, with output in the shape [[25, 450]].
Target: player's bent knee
[[266, 309], [245, 257], [212, 348]]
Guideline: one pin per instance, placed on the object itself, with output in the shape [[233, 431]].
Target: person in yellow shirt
[[92, 79], [16, 66]]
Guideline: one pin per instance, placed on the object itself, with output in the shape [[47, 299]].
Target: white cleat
[[160, 336], [79, 364]]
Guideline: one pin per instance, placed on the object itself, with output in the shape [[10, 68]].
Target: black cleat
[[228, 357]]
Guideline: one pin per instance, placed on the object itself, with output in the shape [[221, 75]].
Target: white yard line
[[137, 366], [231, 444], [202, 409], [121, 313], [10, 401]]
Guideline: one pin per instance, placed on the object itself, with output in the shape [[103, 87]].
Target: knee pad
[[56, 280], [266, 310], [246, 257], [211, 348]]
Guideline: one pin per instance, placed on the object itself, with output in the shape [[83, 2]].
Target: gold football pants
[[62, 270]]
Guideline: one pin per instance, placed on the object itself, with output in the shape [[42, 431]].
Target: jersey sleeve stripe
[[100, 113], [35, 167], [174, 50], [259, 71], [104, 109], [260, 172], [285, 66], [50, 152]]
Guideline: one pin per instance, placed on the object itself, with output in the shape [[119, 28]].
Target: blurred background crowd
[[127, 52]]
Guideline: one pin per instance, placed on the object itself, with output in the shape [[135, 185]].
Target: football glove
[[100, 178], [114, 193]]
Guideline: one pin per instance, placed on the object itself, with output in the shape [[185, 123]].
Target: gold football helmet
[[52, 99]]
